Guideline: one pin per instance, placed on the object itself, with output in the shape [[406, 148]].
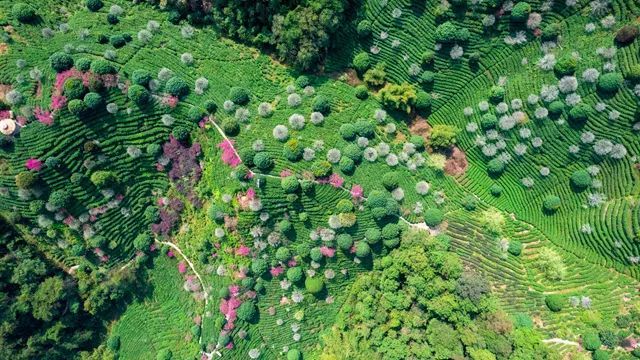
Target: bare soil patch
[[420, 126], [4, 89], [456, 162]]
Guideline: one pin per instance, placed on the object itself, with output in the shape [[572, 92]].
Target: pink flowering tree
[[33, 164], [229, 155]]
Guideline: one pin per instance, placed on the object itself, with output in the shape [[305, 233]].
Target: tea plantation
[[321, 179]]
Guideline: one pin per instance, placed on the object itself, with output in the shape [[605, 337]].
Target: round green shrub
[[591, 341], [73, 88], [93, 100], [495, 190], [601, 354], [102, 67], [117, 41], [315, 254], [176, 86], [294, 354], [362, 249], [353, 152], [361, 62], [61, 61], [164, 354], [302, 81], [314, 285], [579, 114], [101, 178], [427, 77], [23, 13], [230, 126], [94, 5], [195, 114], [112, 19], [391, 243], [556, 108], [447, 32], [321, 168], [555, 302], [361, 92], [373, 235], [263, 161], [391, 180], [417, 141], [496, 94], [365, 128], [25, 179], [295, 274], [495, 166], [211, 106], [60, 198], [390, 231], [290, 184], [566, 65], [83, 64], [247, 311], [259, 266], [364, 28], [489, 121], [515, 248], [293, 150], [423, 101], [610, 82], [138, 94], [141, 77], [428, 57], [239, 95], [433, 216], [520, 12], [633, 73], [142, 242], [151, 214], [551, 31], [551, 203], [344, 206], [347, 165], [321, 104], [181, 133], [581, 179], [470, 202], [283, 254], [348, 131], [344, 241], [77, 107]]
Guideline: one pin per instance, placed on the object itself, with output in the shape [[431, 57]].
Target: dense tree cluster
[[419, 303]]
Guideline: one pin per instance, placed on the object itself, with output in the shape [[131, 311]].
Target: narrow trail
[[560, 341], [204, 291], [419, 226]]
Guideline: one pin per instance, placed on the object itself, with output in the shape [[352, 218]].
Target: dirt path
[[206, 296], [560, 341]]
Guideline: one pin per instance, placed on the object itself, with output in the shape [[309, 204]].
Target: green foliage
[[591, 341], [551, 203], [25, 179], [181, 133], [321, 104], [489, 121], [93, 100], [364, 28], [581, 179], [423, 101], [566, 65], [102, 67], [580, 113], [633, 73], [555, 302], [443, 137], [496, 167], [176, 86], [496, 94], [515, 247], [77, 107], [142, 242], [433, 216], [361, 92], [344, 241], [293, 150], [348, 131], [520, 11], [398, 97], [23, 13], [239, 95], [61, 61], [73, 88], [391, 180], [138, 94], [294, 354], [103, 178], [447, 32], [361, 62], [314, 285], [259, 266], [295, 274], [373, 235], [263, 161], [362, 249], [610, 82], [230, 126], [117, 41], [141, 77], [353, 152], [94, 5], [376, 76], [290, 184]]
